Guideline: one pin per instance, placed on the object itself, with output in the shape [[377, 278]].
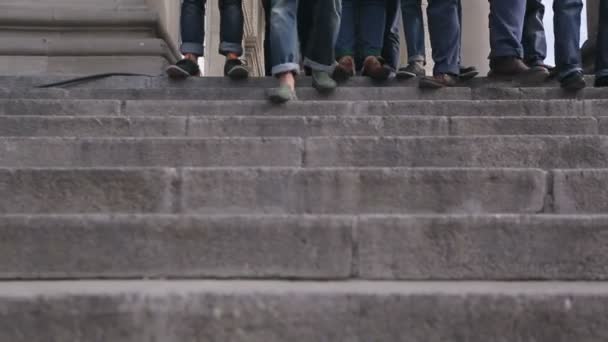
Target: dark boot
[[375, 68], [345, 69], [468, 73], [601, 82], [438, 81], [513, 67], [574, 81]]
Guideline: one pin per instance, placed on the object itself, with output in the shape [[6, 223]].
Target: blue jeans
[[567, 26], [367, 18], [444, 29], [193, 27], [534, 41], [322, 35], [413, 23], [601, 62], [391, 48], [506, 27]]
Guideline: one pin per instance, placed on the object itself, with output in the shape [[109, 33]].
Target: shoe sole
[[467, 76], [238, 73], [176, 72], [342, 75], [381, 76], [405, 75], [430, 84], [578, 84], [323, 90]]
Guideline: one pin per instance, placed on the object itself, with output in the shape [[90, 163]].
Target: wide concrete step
[[276, 190], [486, 108], [380, 247], [308, 93], [172, 311], [143, 82], [546, 152], [294, 126]]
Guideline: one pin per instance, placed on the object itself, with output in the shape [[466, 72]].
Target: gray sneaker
[[414, 69]]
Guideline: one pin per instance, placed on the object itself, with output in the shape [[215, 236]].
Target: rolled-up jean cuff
[[569, 71], [601, 73], [507, 52], [226, 48], [447, 69], [193, 48], [318, 66], [286, 67], [417, 58]]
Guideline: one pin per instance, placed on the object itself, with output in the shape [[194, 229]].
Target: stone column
[[86, 36]]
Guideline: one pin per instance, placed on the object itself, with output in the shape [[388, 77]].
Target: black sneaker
[[601, 82], [467, 73], [183, 69], [236, 69], [414, 69], [574, 81]]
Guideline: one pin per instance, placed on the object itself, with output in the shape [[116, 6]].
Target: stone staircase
[[139, 209]]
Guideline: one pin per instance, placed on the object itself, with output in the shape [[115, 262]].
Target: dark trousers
[[506, 27], [534, 41], [192, 24], [362, 28], [445, 34], [391, 48], [601, 62], [567, 26], [321, 35]]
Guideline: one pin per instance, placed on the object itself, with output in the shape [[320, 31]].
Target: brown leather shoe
[[376, 68], [345, 69], [438, 81], [513, 67]]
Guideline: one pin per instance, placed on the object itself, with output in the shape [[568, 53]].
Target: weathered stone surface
[[121, 246], [603, 125], [361, 191], [523, 125], [303, 311], [86, 127], [307, 126], [483, 247], [547, 93], [59, 107], [86, 191], [580, 191], [486, 151], [128, 152], [335, 108]]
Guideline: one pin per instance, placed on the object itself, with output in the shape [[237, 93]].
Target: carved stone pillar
[[85, 36]]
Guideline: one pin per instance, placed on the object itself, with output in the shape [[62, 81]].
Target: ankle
[[232, 55], [191, 57], [287, 79]]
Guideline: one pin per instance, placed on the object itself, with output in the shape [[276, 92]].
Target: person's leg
[[444, 30], [305, 20], [322, 35], [345, 44], [390, 49], [506, 32], [267, 59], [534, 41], [231, 36], [601, 62], [413, 23], [284, 48], [372, 23], [192, 27], [567, 25]]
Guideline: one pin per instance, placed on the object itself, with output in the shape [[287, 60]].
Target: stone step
[[294, 126], [278, 311], [489, 108], [308, 93], [381, 247], [151, 82], [274, 190], [527, 151]]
